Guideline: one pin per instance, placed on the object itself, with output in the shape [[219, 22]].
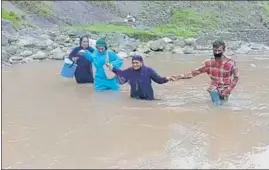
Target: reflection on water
[[51, 122]]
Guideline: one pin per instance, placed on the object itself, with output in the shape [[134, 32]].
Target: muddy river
[[51, 122]]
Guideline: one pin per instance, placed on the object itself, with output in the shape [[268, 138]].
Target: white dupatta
[[109, 73]]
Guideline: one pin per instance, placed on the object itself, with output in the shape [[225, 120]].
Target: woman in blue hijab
[[139, 77], [83, 72], [99, 58]]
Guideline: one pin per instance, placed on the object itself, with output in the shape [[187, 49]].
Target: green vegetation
[[143, 35], [11, 16], [42, 8], [191, 20], [266, 9], [185, 23]]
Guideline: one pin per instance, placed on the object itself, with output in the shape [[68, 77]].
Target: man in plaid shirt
[[222, 71]]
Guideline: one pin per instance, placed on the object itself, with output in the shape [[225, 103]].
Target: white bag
[[68, 61], [109, 73]]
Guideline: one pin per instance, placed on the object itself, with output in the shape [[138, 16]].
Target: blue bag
[[69, 69]]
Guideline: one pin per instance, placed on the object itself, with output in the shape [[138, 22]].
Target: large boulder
[[244, 49], [57, 54], [40, 55], [157, 45]]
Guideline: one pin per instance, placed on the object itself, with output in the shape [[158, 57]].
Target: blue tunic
[[98, 59], [83, 72], [140, 81]]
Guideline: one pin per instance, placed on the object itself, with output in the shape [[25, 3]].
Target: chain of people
[[109, 74]]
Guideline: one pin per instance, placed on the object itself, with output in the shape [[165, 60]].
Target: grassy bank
[[184, 23], [11, 16], [143, 35]]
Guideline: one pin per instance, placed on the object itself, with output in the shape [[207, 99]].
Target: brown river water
[[51, 122]]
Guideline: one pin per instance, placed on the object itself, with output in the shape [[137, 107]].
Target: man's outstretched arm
[[193, 73]]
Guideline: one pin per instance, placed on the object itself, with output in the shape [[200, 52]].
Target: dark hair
[[81, 38], [218, 43]]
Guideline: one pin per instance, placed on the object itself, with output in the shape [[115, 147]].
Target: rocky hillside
[[222, 14], [36, 30]]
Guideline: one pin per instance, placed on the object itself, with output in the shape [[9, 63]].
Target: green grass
[[143, 35], [266, 9], [11, 16], [194, 22], [185, 23]]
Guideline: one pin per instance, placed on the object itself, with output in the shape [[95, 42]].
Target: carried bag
[[69, 68], [109, 73]]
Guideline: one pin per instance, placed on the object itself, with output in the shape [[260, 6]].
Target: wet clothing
[[83, 72], [98, 59], [224, 74], [140, 81], [216, 98]]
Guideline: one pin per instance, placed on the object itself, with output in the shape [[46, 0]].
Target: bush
[[11, 16]]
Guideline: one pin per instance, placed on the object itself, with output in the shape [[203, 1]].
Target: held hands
[[177, 77], [170, 78], [109, 66]]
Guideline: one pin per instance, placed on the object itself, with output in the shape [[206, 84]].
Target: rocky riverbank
[[35, 44]]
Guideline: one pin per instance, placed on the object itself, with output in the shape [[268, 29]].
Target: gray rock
[[15, 59], [27, 60], [190, 41], [254, 46], [40, 55], [203, 47], [180, 42], [188, 50], [129, 46], [167, 40], [168, 47], [5, 56], [143, 48], [11, 50], [122, 54], [233, 45], [177, 50], [138, 53], [62, 39], [26, 53], [42, 45], [4, 40], [244, 49], [57, 54], [8, 26], [157, 45], [27, 41]]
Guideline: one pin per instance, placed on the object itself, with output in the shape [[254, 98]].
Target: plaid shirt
[[224, 74]]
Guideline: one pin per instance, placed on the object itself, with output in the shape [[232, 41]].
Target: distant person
[[139, 77], [83, 72], [223, 73], [99, 58], [130, 18]]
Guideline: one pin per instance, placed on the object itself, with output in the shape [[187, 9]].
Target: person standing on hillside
[[222, 70]]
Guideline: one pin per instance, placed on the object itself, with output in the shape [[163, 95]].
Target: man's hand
[[226, 92], [109, 66], [177, 77]]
